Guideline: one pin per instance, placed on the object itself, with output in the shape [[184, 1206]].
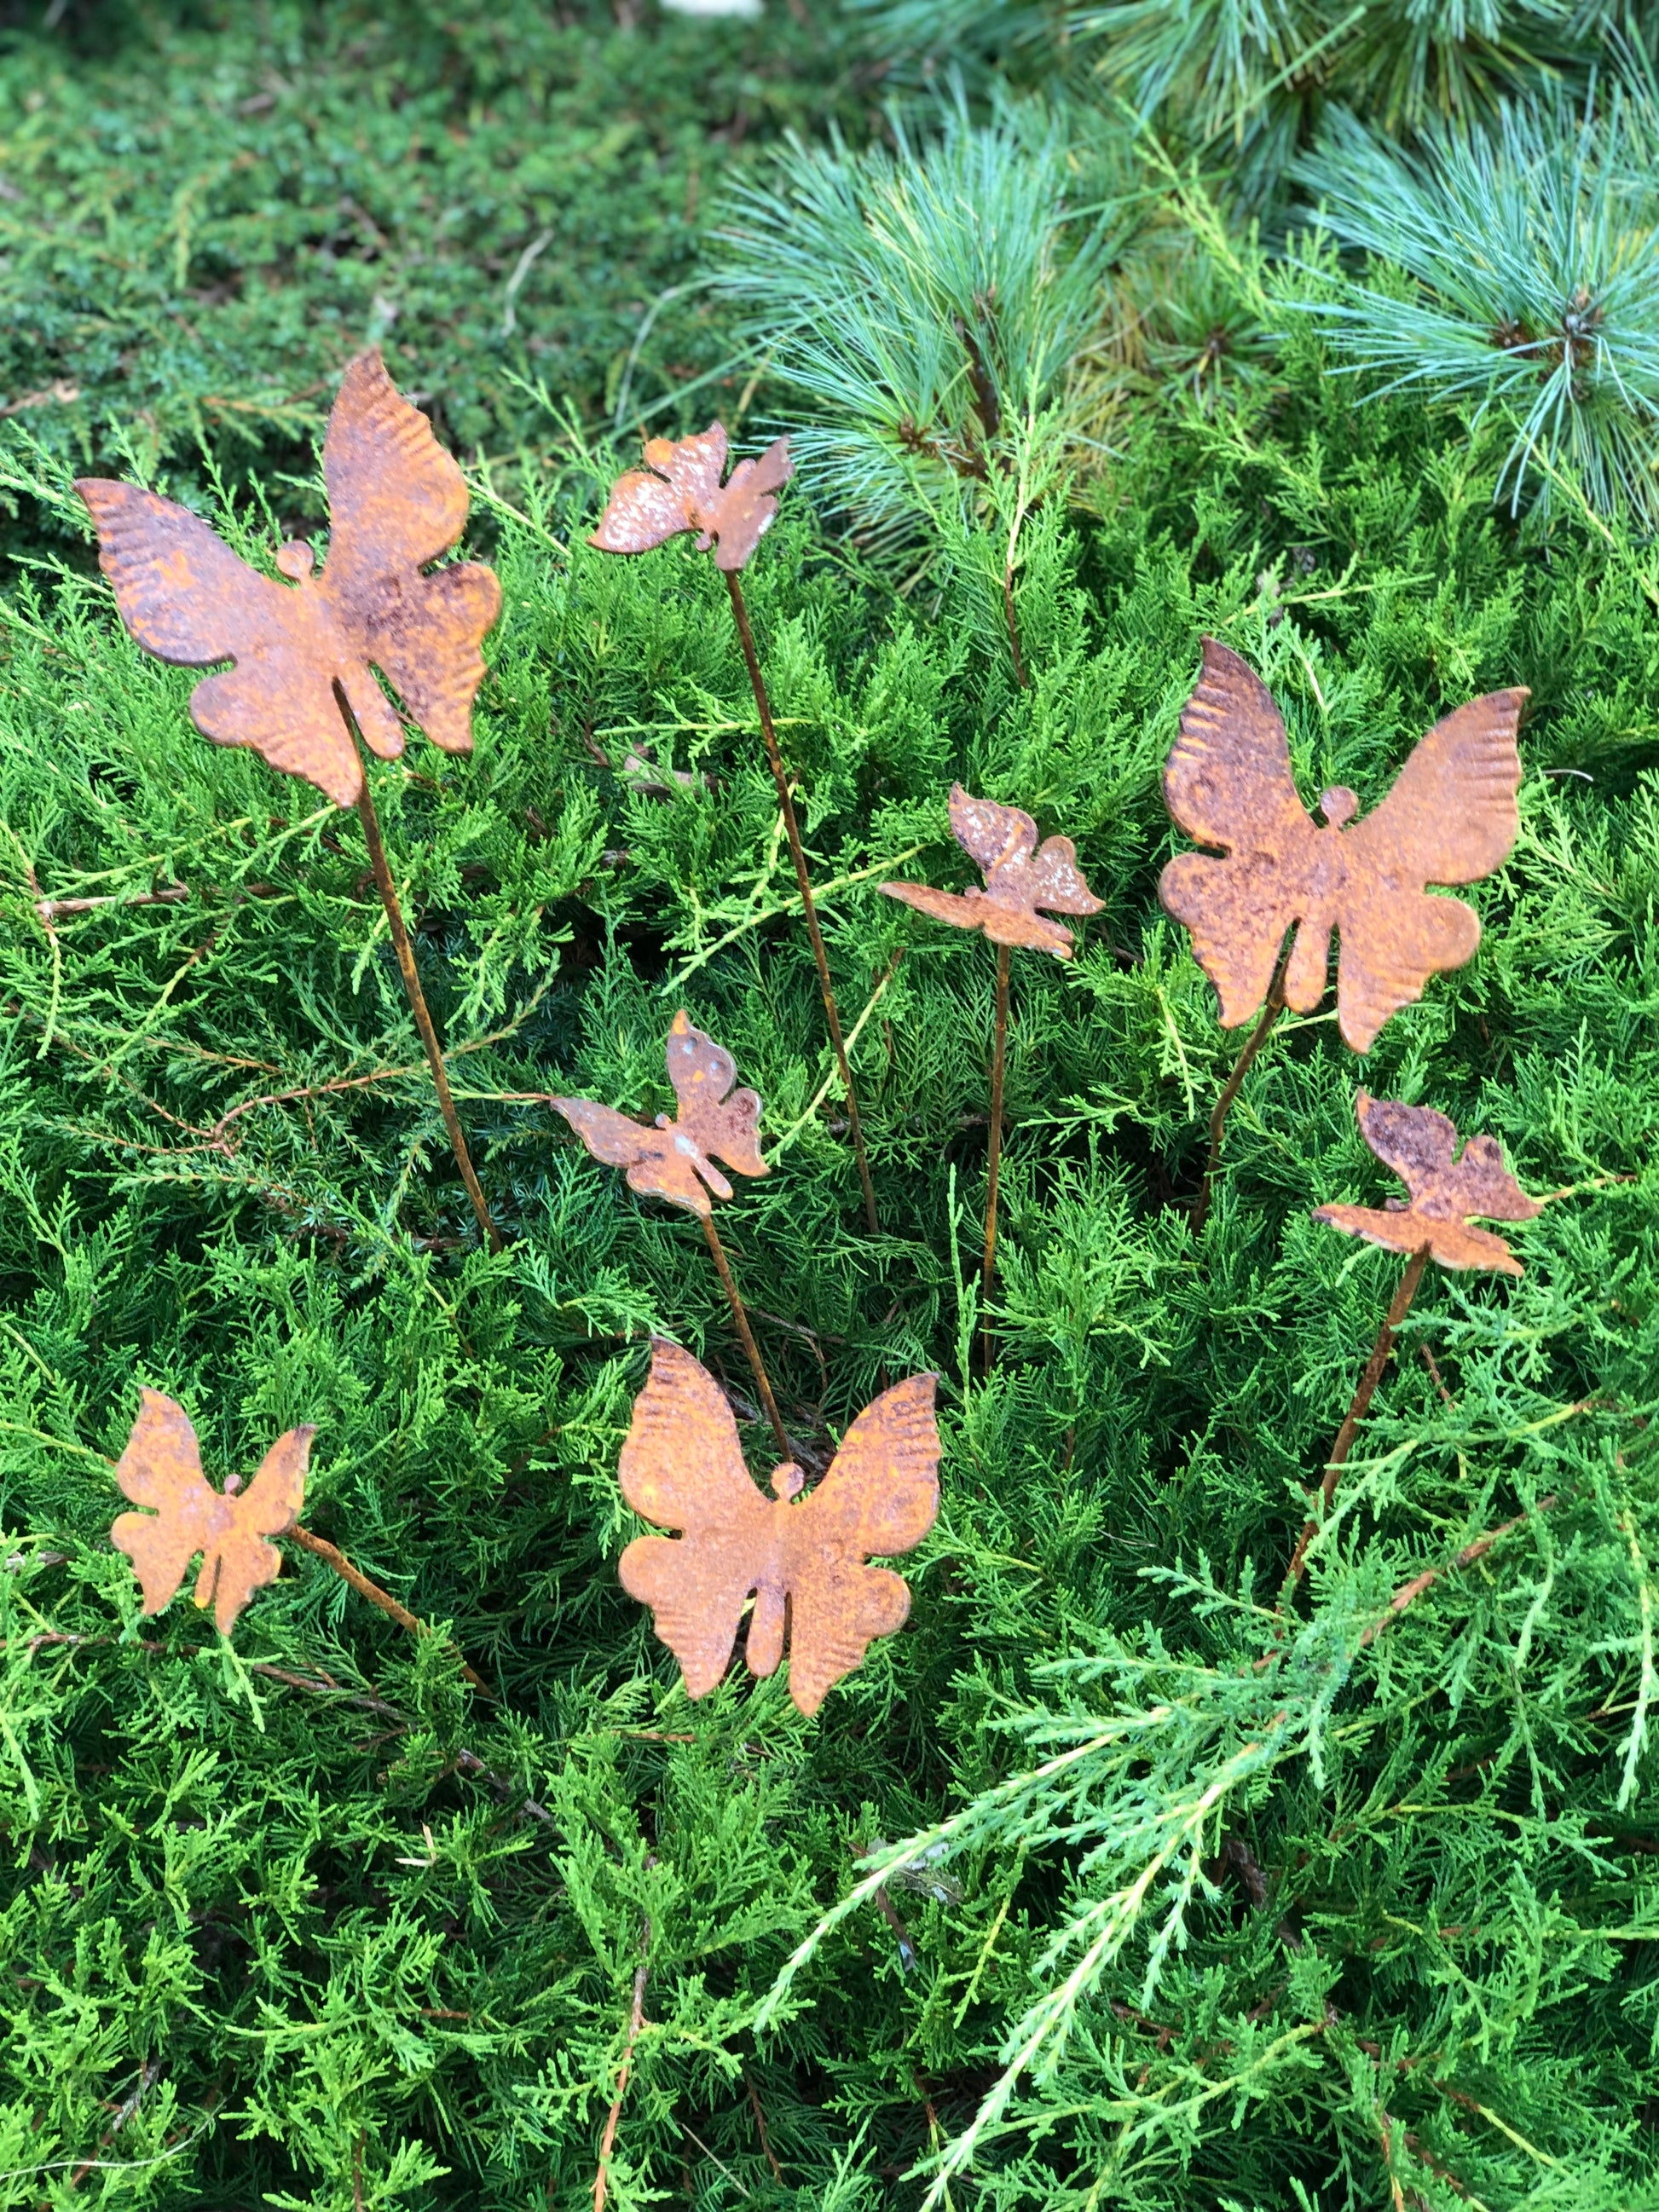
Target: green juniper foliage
[[1178, 1899]]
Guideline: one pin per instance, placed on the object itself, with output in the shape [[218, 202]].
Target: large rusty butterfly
[[1420, 1144], [675, 1158], [162, 1468], [397, 501], [804, 1559], [1020, 876], [680, 489], [1450, 818]]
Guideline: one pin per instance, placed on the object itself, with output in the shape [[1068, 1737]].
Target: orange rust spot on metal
[[1450, 818], [1419, 1143], [680, 489], [162, 1468], [301, 649], [803, 1558], [1020, 876], [675, 1158]]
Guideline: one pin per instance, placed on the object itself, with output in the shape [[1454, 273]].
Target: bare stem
[[1230, 1090], [394, 914], [998, 1059], [635, 2022], [322, 1549], [1356, 1413], [739, 1314], [1020, 677], [808, 905]]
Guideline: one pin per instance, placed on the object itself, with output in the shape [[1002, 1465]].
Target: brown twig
[[1434, 1375], [740, 1315], [320, 1546], [357, 2175], [1409, 1592], [1271, 1011], [1020, 677], [1356, 1411], [394, 916], [148, 2073], [635, 2022], [51, 910], [760, 2124], [809, 907], [999, 1058]]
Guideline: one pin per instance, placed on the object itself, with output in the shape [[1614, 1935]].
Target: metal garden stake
[[680, 490], [302, 688], [1450, 818]]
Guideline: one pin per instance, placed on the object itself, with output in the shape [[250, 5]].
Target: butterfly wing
[[189, 600], [396, 501], [655, 1165], [642, 512], [1227, 783], [880, 1497], [1416, 1141], [693, 465], [962, 911], [996, 836], [739, 517], [716, 1118], [1057, 881], [1450, 818], [1480, 1183], [1450, 1243], [238, 1560], [682, 1466], [162, 1468]]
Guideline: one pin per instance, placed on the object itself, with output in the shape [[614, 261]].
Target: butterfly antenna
[[394, 916], [740, 1315], [809, 906], [1399, 1308]]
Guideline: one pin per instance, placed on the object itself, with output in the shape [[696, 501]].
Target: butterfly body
[[301, 647], [161, 1469], [680, 489], [1450, 818], [1420, 1144], [1020, 876], [672, 1159], [803, 1559]]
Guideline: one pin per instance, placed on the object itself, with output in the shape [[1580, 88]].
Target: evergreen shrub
[[1371, 1918]]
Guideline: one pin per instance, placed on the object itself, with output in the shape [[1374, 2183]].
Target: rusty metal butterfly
[[162, 1468], [683, 1468], [1419, 1145], [675, 1159], [302, 649], [1450, 818], [680, 489], [1020, 876]]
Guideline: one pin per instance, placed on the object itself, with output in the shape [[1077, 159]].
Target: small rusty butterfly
[[304, 651], [1420, 1144], [680, 489], [675, 1158], [1451, 817], [1020, 876], [804, 1559], [161, 1469]]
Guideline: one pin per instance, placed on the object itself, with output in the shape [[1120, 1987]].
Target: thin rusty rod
[[635, 2022], [808, 905], [1399, 1308], [394, 914], [321, 1548], [1271, 1011], [998, 1060], [740, 1315]]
